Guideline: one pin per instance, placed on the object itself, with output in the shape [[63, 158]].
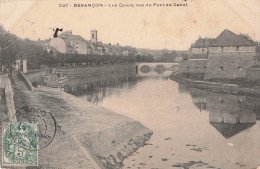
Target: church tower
[[93, 35]]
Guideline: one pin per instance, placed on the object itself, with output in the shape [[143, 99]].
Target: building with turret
[[227, 56]]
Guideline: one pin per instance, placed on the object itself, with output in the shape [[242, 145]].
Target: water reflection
[[95, 89], [228, 113]]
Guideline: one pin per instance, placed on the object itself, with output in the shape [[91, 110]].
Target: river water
[[192, 128]]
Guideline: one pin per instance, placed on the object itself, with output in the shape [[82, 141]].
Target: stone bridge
[[156, 67]]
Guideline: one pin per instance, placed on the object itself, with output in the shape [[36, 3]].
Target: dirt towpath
[[82, 128]]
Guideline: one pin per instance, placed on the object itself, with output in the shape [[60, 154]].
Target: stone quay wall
[[194, 66], [253, 73], [219, 87], [86, 71], [229, 65]]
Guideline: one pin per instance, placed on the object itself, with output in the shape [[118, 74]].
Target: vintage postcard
[[130, 84]]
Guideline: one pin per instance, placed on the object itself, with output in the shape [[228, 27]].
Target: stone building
[[68, 43], [198, 56], [199, 49], [230, 56], [20, 65], [125, 53]]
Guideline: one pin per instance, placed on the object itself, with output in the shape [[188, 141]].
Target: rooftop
[[203, 42], [228, 38]]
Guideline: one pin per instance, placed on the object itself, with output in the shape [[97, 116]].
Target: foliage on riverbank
[[13, 47], [99, 59]]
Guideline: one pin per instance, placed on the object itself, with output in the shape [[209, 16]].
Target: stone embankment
[[89, 73], [216, 86], [88, 136], [98, 70], [5, 83]]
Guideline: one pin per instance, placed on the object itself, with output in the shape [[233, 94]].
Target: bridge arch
[[145, 69]]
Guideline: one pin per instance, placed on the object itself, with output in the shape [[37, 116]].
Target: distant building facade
[[68, 43]]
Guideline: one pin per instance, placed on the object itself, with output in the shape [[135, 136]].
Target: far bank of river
[[236, 86]]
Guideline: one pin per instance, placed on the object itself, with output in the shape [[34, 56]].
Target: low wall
[[87, 71], [97, 70], [9, 97], [35, 75], [26, 80]]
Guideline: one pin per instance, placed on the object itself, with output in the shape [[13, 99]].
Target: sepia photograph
[[129, 84]]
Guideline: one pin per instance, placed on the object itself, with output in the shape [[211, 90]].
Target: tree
[[167, 57], [246, 36], [7, 47]]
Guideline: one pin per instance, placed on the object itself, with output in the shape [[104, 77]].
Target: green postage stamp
[[20, 144]]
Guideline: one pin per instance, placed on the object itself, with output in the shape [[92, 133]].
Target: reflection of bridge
[[156, 67]]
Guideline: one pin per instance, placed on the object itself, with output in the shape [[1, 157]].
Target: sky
[[173, 28]]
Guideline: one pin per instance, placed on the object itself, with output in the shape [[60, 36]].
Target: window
[[93, 36], [237, 120], [240, 100], [220, 69], [202, 50], [237, 48], [239, 70], [220, 100]]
